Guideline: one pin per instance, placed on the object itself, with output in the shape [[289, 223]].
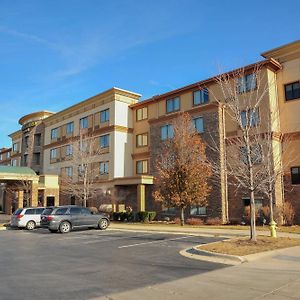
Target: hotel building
[[129, 133]]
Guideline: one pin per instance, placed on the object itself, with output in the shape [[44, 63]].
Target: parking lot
[[87, 264]]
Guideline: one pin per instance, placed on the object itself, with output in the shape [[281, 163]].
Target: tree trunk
[[253, 217], [182, 216]]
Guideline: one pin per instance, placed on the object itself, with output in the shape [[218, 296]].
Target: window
[[81, 169], [75, 210], [258, 202], [37, 139], [70, 128], [69, 150], [295, 175], [246, 83], [84, 123], [250, 117], [255, 154], [142, 166], [37, 158], [142, 140], [30, 212], [60, 211], [38, 211], [198, 210], [1, 157], [69, 171], [25, 159], [15, 147], [54, 133], [198, 123], [104, 141], [142, 113], [166, 132], [8, 154], [172, 104], [104, 116], [200, 97], [14, 163], [103, 167], [53, 153], [292, 90]]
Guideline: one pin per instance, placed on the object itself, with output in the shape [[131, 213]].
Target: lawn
[[243, 246]]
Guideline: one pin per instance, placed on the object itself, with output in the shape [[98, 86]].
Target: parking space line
[[154, 242]]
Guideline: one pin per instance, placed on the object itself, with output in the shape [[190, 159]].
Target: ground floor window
[[295, 175], [258, 202], [198, 210]]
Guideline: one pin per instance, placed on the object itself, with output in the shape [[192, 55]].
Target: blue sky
[[56, 53]]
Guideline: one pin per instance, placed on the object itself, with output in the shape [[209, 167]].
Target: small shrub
[[94, 210], [213, 221], [177, 221], [143, 216], [194, 221], [152, 215], [123, 216], [116, 216], [288, 213]]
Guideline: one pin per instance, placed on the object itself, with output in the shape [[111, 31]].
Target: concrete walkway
[[203, 231], [276, 277]]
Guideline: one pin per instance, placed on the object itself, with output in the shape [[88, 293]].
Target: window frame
[[106, 114], [142, 135], [70, 125], [198, 208], [168, 126], [285, 93], [105, 165], [142, 161], [52, 135], [243, 85], [298, 175], [248, 114], [54, 150], [142, 110], [82, 122], [108, 141], [194, 122], [202, 96], [172, 100]]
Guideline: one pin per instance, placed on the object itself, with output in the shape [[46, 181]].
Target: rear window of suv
[[60, 211], [30, 212], [47, 211], [18, 211]]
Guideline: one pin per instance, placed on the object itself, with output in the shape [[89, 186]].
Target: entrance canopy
[[8, 173]]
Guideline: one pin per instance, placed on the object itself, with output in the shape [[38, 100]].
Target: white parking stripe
[[154, 242]]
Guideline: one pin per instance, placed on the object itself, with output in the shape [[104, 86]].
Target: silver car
[[66, 218], [28, 217]]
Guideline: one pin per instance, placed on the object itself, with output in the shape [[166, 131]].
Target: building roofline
[[113, 90], [271, 52], [271, 62], [11, 135], [41, 113]]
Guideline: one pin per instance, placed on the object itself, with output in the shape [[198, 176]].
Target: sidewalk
[[276, 277], [198, 231]]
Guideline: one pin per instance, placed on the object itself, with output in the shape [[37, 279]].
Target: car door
[[76, 217], [87, 217], [37, 216]]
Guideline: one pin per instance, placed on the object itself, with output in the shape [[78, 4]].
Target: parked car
[[66, 218], [28, 217]]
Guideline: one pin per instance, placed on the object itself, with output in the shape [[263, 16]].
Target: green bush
[[123, 216], [116, 216], [152, 215], [143, 216]]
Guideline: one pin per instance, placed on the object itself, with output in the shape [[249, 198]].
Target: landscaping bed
[[243, 246]]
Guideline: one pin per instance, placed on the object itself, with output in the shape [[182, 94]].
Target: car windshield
[[18, 211], [47, 211]]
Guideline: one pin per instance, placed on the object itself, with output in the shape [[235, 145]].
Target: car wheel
[[52, 230], [103, 224], [30, 225], [65, 227]]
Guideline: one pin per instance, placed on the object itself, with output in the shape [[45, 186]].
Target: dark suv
[[66, 218]]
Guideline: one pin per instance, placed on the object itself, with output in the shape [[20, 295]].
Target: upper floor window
[[14, 163], [292, 90], [246, 83], [54, 133], [142, 113], [103, 167], [250, 118], [8, 154], [142, 166], [142, 140], [255, 154], [84, 123], [53, 153], [173, 104], [69, 171], [15, 147], [295, 175], [1, 157], [200, 97], [198, 123], [104, 141], [37, 139], [26, 140], [166, 132], [69, 150], [104, 116], [70, 128]]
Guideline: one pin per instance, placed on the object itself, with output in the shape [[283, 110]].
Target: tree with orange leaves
[[181, 170]]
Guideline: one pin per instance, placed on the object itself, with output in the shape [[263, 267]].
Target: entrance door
[[50, 200]]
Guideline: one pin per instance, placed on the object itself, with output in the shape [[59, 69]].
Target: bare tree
[[82, 154], [247, 107], [182, 173]]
